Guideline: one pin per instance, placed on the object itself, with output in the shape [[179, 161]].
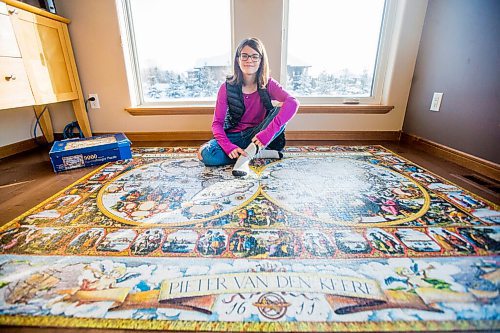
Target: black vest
[[236, 104]]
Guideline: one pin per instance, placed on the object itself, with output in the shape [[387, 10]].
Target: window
[[181, 50], [335, 49]]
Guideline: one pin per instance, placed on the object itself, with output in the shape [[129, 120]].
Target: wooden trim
[[343, 135], [347, 109], [35, 10], [209, 109], [477, 164], [290, 135], [207, 135], [172, 110], [19, 147], [168, 136]]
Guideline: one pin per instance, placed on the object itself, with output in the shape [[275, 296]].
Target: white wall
[[16, 125], [96, 39]]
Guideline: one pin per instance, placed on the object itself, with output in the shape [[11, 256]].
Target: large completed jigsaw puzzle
[[326, 239]]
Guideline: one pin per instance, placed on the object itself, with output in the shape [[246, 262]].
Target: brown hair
[[263, 71]]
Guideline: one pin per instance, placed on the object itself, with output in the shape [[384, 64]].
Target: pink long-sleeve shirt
[[255, 113]]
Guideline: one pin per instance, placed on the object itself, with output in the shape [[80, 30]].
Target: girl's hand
[[236, 153], [257, 142]]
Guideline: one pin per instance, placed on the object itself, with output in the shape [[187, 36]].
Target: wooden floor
[[27, 179]]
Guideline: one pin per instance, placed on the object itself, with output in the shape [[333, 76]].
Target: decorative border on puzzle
[[244, 243], [395, 326]]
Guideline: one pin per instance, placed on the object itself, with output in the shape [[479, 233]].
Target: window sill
[[209, 109]]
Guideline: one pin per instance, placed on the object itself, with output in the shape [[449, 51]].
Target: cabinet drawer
[[15, 90], [8, 43], [44, 49]]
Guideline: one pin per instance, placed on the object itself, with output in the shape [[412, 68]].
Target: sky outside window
[[333, 38]]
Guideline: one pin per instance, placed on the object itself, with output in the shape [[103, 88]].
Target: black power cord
[[90, 99], [69, 130], [37, 123]]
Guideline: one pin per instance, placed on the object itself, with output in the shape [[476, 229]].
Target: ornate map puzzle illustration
[[326, 239]]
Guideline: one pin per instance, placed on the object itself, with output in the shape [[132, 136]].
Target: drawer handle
[[11, 77], [13, 11]]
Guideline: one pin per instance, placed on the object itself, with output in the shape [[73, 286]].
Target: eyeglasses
[[254, 57]]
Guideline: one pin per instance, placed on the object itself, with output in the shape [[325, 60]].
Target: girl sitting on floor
[[245, 121]]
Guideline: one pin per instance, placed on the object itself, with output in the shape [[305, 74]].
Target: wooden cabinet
[[8, 45], [41, 41], [14, 85], [15, 88], [37, 63]]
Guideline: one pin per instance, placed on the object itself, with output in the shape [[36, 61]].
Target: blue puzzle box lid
[[92, 144]]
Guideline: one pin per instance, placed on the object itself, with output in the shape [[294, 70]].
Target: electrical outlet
[[436, 101], [95, 103]]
